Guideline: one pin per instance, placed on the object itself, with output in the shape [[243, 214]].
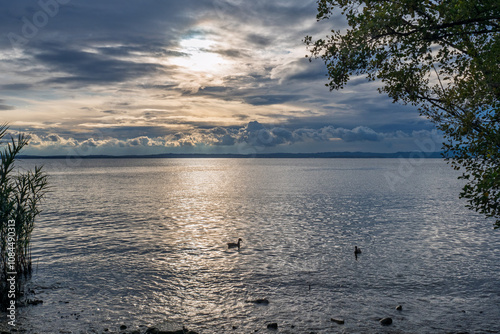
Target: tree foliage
[[20, 196], [442, 56]]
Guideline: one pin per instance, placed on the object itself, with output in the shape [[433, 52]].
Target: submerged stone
[[262, 301], [169, 328], [385, 321], [272, 326]]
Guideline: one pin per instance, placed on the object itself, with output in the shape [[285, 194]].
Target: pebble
[[259, 301], [34, 301], [338, 321], [385, 321], [272, 326]]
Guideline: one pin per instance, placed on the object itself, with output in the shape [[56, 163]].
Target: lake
[[138, 242]]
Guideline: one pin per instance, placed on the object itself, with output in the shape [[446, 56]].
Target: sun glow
[[198, 56]]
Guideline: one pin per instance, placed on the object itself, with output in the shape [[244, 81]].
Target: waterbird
[[233, 244], [357, 250]]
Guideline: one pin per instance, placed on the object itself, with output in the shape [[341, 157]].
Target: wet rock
[[34, 301], [166, 328], [259, 301], [272, 326], [123, 327], [399, 307], [385, 321], [181, 331], [338, 321]]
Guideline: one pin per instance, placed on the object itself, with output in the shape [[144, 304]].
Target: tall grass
[[20, 196]]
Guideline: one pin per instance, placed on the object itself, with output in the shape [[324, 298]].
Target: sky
[[159, 76]]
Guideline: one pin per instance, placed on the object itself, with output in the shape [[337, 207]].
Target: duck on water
[[233, 244]]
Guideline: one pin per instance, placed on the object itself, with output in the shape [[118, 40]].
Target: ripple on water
[[138, 242]]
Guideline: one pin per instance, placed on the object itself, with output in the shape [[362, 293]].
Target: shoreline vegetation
[[320, 155], [20, 195]]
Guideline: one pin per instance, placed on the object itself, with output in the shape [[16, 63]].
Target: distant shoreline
[[322, 155]]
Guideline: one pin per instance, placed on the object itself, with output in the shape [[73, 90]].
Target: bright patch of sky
[[145, 77]]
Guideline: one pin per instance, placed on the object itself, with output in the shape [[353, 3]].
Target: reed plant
[[20, 196]]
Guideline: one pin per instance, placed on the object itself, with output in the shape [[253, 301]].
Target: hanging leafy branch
[[441, 56]]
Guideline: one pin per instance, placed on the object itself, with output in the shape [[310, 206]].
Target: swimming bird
[[357, 250], [234, 245]]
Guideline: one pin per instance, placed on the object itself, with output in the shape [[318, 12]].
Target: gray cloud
[[301, 70], [254, 134], [268, 99], [5, 106], [86, 67], [259, 40], [16, 87]]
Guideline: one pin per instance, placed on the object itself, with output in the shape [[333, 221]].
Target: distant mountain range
[[322, 155]]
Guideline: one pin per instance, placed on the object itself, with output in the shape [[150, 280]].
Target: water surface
[[139, 242]]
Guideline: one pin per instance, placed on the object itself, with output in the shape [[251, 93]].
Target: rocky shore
[[169, 327]]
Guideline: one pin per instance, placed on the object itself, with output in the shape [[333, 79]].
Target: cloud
[[16, 86], [232, 53], [268, 99], [5, 106], [255, 135], [301, 70], [259, 40], [85, 67], [360, 133], [132, 77]]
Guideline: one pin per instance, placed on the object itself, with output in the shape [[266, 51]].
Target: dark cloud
[[241, 117], [261, 100], [130, 50], [360, 133], [85, 67], [5, 106], [259, 40], [301, 70], [232, 53], [17, 86]]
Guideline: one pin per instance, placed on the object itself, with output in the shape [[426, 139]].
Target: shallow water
[[139, 242]]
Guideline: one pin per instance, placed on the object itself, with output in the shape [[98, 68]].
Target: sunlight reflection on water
[[138, 242]]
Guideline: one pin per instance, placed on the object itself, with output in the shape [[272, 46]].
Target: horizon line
[[324, 155]]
